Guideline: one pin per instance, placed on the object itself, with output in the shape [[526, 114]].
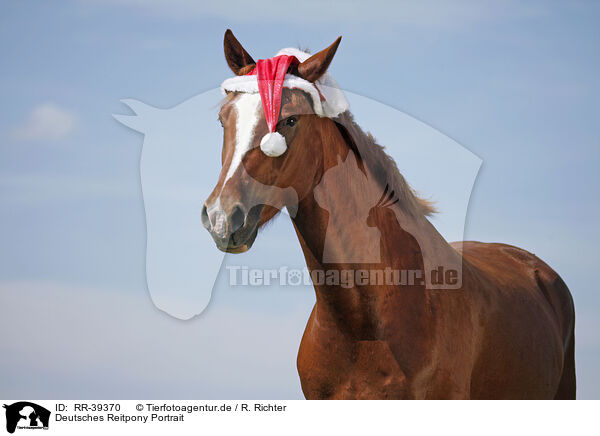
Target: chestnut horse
[[506, 331]]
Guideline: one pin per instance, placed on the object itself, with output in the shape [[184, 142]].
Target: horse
[[504, 329]]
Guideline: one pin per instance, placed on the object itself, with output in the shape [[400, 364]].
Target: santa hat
[[270, 77]]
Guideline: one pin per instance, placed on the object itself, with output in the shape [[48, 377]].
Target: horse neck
[[330, 224]]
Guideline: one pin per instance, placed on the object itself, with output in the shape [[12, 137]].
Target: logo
[[26, 415]]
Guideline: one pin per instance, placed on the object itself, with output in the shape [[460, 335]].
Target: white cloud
[[46, 121]]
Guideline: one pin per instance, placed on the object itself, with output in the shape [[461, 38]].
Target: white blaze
[[247, 108]]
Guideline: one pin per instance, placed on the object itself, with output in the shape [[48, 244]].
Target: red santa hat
[[269, 78], [270, 75]]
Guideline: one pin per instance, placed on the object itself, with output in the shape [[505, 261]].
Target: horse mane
[[382, 166]]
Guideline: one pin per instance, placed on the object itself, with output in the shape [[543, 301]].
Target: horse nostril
[[205, 219], [237, 218]]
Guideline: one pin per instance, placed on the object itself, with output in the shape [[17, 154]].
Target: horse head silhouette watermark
[[335, 168]]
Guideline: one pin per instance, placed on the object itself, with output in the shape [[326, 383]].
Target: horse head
[[275, 115]]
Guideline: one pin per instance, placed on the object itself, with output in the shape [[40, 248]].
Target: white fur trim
[[291, 51], [273, 144], [335, 101]]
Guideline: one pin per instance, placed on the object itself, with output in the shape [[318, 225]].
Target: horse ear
[[237, 58], [316, 65]]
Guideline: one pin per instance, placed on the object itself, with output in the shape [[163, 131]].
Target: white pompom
[[273, 144]]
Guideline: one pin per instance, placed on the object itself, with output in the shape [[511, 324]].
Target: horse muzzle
[[232, 228]]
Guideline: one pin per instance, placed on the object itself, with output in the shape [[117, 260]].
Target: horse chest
[[363, 370], [373, 374]]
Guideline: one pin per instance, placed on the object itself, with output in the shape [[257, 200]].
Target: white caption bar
[[159, 417]]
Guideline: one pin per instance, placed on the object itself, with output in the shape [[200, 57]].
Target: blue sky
[[516, 84]]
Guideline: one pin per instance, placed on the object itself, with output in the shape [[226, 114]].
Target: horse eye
[[291, 121]]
